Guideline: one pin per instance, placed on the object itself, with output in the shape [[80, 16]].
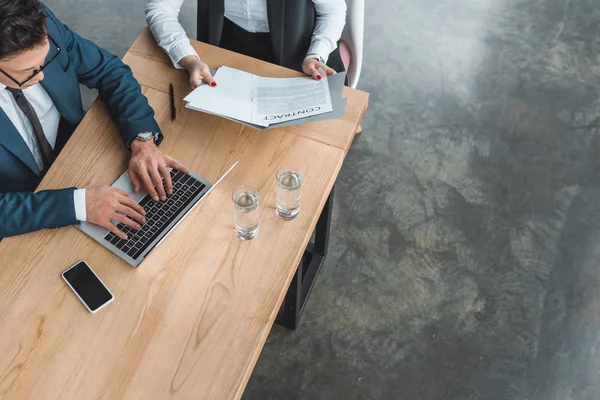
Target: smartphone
[[87, 286]]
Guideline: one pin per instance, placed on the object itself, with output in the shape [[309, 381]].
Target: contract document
[[255, 100]]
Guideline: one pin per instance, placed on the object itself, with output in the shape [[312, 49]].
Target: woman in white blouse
[[257, 28]]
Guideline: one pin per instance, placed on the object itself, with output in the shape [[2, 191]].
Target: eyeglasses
[[36, 71]]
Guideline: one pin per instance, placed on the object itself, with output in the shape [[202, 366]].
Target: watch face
[[147, 136]]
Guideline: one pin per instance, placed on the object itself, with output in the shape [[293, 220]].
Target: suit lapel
[[13, 142], [55, 82]]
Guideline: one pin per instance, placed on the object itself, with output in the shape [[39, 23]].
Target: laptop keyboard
[[159, 214]]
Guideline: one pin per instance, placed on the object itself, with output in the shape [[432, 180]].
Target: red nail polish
[[213, 84], [319, 77]]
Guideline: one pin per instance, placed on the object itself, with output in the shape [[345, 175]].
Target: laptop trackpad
[[124, 183]]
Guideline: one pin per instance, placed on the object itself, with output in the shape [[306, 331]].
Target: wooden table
[[191, 321]]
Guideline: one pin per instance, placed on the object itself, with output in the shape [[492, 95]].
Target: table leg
[[306, 274]]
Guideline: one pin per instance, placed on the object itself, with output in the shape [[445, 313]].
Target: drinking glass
[[289, 184], [246, 212]]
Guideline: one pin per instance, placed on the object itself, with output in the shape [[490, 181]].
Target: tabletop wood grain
[[191, 321]]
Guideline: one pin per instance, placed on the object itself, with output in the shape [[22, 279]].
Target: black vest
[[291, 23]]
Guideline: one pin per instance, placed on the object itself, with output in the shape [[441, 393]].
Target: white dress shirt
[[49, 118], [162, 17]]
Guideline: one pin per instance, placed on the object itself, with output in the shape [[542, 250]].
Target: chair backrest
[[353, 36]]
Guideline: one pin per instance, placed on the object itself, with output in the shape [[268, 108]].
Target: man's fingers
[[128, 202], [208, 77], [122, 192], [131, 213], [148, 184], [167, 178], [135, 180], [160, 188], [126, 221], [177, 166], [113, 228]]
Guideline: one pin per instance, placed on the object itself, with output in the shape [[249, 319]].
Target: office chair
[[351, 43]]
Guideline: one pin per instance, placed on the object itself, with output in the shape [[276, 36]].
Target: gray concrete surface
[[464, 253]]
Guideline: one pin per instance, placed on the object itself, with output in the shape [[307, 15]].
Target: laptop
[[161, 216]]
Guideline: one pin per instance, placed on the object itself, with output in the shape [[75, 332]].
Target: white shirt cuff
[[79, 201], [181, 50], [320, 47]]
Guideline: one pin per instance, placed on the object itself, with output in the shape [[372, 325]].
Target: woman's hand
[[311, 66], [198, 70]]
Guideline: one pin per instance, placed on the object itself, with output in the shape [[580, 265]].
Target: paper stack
[[269, 102]]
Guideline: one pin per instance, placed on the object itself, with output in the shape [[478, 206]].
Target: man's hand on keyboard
[[147, 165], [104, 203]]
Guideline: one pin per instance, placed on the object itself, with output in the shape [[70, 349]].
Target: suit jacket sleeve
[[24, 212], [96, 68]]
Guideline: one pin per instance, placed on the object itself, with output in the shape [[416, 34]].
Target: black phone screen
[[87, 285]]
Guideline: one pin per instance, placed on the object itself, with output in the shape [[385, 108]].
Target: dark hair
[[22, 26]]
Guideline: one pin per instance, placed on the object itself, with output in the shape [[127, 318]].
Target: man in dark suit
[[42, 63]]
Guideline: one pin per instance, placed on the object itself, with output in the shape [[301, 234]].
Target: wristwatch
[[146, 136]]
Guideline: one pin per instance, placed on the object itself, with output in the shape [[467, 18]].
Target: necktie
[[48, 155]]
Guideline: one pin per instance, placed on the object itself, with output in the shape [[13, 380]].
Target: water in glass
[[245, 202], [289, 182]]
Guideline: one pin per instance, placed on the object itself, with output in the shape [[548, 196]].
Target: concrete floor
[[464, 254]]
